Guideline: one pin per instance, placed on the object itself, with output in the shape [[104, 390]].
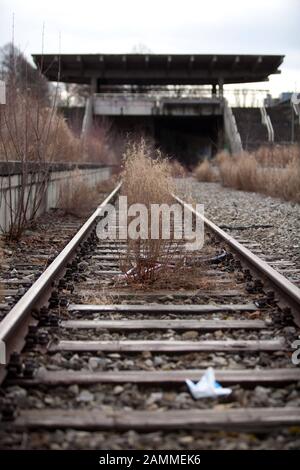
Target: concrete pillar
[[94, 85], [221, 89], [87, 123]]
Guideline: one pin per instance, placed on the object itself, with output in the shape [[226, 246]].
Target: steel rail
[[18, 319], [288, 292]]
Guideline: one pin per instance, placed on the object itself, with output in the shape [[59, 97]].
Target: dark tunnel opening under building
[[187, 139]]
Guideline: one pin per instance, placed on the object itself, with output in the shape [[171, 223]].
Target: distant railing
[[153, 95], [266, 121], [245, 97], [17, 167], [88, 116], [242, 98], [231, 130]]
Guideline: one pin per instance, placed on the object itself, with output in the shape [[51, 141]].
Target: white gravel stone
[[232, 208], [85, 396]]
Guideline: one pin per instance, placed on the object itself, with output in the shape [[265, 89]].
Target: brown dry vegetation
[[155, 263], [146, 175], [270, 170], [275, 172], [176, 169], [147, 180], [107, 186], [76, 197], [35, 135], [33, 132], [175, 278], [205, 172]]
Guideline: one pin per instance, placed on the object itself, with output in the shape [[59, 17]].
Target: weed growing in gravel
[[107, 186], [147, 180], [270, 170], [205, 172], [273, 171], [177, 170], [76, 197]]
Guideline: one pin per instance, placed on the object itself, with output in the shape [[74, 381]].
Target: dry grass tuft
[[107, 186], [205, 172], [185, 278], [239, 172], [221, 157], [177, 170], [270, 170], [32, 132], [147, 180], [77, 198], [273, 171], [146, 175], [100, 298]]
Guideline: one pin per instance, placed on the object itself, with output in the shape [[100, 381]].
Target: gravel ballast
[[274, 224]]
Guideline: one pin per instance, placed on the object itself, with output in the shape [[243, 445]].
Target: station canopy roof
[[157, 69]]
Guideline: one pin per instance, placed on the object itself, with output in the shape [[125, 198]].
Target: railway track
[[90, 354]]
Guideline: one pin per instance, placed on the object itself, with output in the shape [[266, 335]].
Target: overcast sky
[[164, 26]]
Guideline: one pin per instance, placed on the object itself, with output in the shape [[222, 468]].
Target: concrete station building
[[178, 100]]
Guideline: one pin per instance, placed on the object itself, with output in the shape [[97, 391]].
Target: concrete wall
[[232, 134], [60, 176], [145, 105], [127, 105]]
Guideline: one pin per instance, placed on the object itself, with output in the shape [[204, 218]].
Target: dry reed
[[108, 185], [205, 172], [273, 171], [33, 132], [147, 180], [76, 197], [177, 170]]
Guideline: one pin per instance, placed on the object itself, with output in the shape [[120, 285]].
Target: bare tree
[[28, 135], [24, 77]]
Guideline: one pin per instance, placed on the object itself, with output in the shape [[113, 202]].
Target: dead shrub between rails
[[147, 180], [166, 272]]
